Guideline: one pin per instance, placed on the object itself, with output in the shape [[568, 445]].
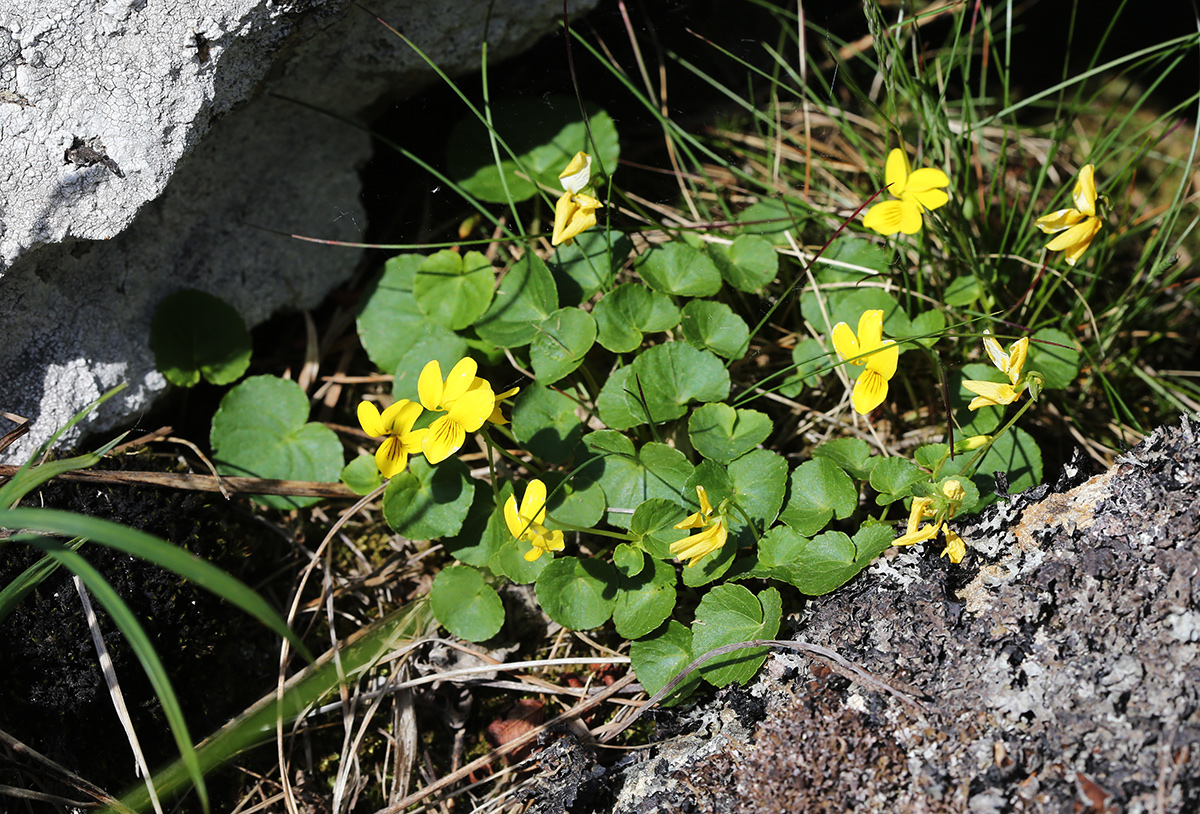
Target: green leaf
[[748, 264], [808, 359], [962, 291], [578, 501], [544, 422], [1052, 353], [872, 540], [587, 264], [722, 434], [644, 600], [362, 475], [819, 490], [677, 268], [714, 326], [659, 657], [893, 478], [196, 334], [453, 290], [1014, 453], [848, 304], [729, 614], [563, 339], [713, 566], [759, 482], [578, 594], [928, 325], [851, 454], [827, 563], [526, 296], [771, 217], [657, 471], [259, 431], [446, 347], [663, 379], [781, 547], [630, 561], [856, 256], [630, 310], [653, 526], [544, 133], [425, 502], [483, 530], [929, 455], [602, 441], [391, 324], [465, 604]]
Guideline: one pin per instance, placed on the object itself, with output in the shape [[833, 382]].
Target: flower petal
[[885, 360], [846, 343], [994, 351], [910, 217], [701, 544], [1016, 359], [472, 408], [370, 420], [1085, 190], [391, 457], [512, 518], [896, 171], [1083, 233], [445, 437], [429, 386], [705, 506], [1059, 220], [460, 380], [990, 394], [926, 179], [885, 217], [578, 173], [930, 198], [869, 391], [926, 532], [533, 504], [956, 547], [870, 330]]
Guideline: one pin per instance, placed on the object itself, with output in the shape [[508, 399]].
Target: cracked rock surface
[[1060, 673]]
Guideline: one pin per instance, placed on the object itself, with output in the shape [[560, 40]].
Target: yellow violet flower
[[993, 394], [1078, 225], [917, 191], [466, 404], [526, 522], [923, 507], [712, 537], [396, 423], [497, 417], [871, 388], [576, 208]]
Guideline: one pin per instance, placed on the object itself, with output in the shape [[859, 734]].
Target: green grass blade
[[28, 477], [258, 723], [151, 548]]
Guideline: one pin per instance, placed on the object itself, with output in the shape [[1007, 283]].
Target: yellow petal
[[994, 351], [700, 545], [399, 418], [927, 179], [472, 408], [1016, 359], [885, 218], [927, 532], [870, 330], [692, 521], [578, 173], [579, 214], [869, 391], [990, 394], [429, 386], [391, 458], [533, 504], [921, 508], [563, 210], [445, 437], [896, 172], [1085, 190], [910, 217], [370, 420], [1059, 220], [885, 360], [460, 379], [846, 343], [705, 506], [930, 198], [956, 547], [954, 490], [1076, 239], [512, 518], [412, 440]]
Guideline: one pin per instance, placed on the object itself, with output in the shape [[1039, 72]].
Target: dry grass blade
[[206, 483]]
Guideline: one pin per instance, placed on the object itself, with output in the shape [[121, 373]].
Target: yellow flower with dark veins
[[575, 210], [466, 404], [526, 523], [925, 507], [994, 394], [396, 422], [1079, 225], [871, 388], [917, 191], [711, 538]]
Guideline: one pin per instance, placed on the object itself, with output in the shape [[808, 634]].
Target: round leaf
[[563, 339], [722, 434], [526, 296], [658, 658], [657, 471], [362, 475], [544, 422], [714, 326], [465, 604], [426, 502], [819, 490], [588, 264], [453, 290], [630, 310], [1053, 354], [729, 614], [748, 264], [759, 482], [578, 594], [391, 322], [259, 431], [677, 268], [645, 600], [196, 334]]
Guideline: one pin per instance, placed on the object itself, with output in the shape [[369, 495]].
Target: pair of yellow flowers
[[923, 189], [467, 401], [868, 349]]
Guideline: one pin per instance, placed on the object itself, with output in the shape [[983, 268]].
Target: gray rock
[[139, 151], [1060, 674]]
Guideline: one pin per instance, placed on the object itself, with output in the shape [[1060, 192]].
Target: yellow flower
[[871, 388], [497, 417], [575, 210], [917, 192], [466, 404], [396, 423], [526, 523], [923, 507], [712, 537], [1080, 224], [992, 394]]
